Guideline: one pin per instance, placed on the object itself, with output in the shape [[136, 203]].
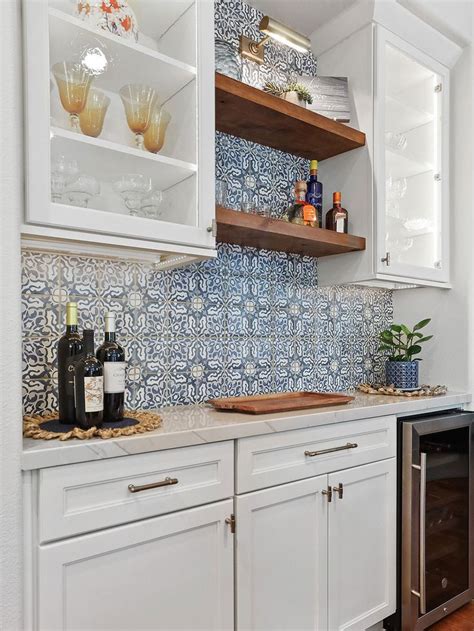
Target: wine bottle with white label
[[89, 386], [70, 348], [112, 356]]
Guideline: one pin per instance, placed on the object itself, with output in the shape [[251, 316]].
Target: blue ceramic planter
[[403, 375]]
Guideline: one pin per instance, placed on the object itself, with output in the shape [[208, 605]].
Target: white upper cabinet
[[120, 124], [396, 189], [411, 154]]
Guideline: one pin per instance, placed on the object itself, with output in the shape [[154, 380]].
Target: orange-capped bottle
[[337, 218]]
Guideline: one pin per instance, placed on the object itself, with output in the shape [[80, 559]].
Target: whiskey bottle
[[337, 217]]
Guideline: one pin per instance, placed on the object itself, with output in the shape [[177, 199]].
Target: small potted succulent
[[402, 344], [294, 92]]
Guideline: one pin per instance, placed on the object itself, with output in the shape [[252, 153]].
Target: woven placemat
[[46, 426], [424, 391]]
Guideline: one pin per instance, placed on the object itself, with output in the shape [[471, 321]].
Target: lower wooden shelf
[[273, 234]]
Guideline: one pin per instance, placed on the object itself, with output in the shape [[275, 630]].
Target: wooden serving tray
[[280, 402]]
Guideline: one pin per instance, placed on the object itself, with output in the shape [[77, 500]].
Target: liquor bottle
[[337, 217], [314, 193], [89, 386], [300, 211], [112, 356], [70, 348]]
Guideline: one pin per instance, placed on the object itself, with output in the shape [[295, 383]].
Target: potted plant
[[294, 92], [401, 369]]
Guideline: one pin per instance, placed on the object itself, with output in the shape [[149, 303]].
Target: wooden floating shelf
[[240, 228], [249, 113]]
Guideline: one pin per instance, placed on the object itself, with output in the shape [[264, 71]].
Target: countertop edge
[[222, 426]]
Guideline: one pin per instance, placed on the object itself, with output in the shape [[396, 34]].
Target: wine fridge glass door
[[445, 474]]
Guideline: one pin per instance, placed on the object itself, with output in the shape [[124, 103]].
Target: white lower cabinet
[[281, 558], [309, 559], [362, 546], [165, 573]]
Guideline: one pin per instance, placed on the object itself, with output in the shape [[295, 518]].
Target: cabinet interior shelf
[[130, 62], [112, 159], [252, 114], [244, 229]]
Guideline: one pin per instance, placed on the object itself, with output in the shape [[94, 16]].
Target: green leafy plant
[[279, 89], [402, 343]]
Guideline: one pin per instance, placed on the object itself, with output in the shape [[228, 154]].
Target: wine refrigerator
[[435, 518]]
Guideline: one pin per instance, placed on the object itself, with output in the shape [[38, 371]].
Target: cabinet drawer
[[79, 498], [264, 461]]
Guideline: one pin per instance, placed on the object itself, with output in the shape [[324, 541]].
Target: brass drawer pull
[[330, 451], [328, 493], [144, 487]]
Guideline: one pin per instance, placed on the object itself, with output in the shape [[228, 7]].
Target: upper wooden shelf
[[240, 228], [249, 113]]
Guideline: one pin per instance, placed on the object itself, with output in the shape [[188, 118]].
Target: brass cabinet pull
[[311, 454], [154, 485], [231, 522], [339, 490], [328, 492]]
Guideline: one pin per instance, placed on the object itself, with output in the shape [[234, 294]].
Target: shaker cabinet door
[[412, 161], [362, 546], [281, 556], [170, 572]]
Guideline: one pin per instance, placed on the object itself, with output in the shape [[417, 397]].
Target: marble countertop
[[197, 424]]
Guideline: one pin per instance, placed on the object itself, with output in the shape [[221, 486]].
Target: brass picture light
[[279, 32]]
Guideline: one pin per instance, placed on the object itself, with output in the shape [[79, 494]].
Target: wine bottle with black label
[[89, 386], [70, 348], [112, 356]]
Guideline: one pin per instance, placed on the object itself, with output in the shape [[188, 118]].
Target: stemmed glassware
[[133, 187], [73, 81], [63, 172], [81, 189], [91, 119], [154, 137], [138, 101], [151, 205]]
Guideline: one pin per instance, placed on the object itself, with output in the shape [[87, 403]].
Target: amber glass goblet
[[155, 134], [73, 82], [91, 119], [138, 101]]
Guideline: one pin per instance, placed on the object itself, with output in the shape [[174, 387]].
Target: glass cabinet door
[[411, 187]]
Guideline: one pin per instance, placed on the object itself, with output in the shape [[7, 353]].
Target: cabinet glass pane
[[139, 157], [412, 161]]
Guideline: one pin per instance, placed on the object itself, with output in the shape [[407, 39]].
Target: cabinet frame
[[42, 212]]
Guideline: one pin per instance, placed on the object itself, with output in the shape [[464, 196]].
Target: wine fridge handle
[[422, 533]]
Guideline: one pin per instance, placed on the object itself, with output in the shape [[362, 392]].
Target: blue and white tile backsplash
[[249, 321]]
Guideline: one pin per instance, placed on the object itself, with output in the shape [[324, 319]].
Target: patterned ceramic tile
[[248, 321]]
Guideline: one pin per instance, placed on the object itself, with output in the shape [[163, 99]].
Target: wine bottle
[[89, 386], [314, 193], [112, 356], [70, 347]]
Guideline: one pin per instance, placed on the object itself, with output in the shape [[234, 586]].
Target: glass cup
[[154, 137], [81, 189], [133, 187], [138, 101], [150, 207], [73, 81], [221, 192], [91, 119], [63, 171]]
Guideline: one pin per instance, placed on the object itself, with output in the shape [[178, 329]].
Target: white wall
[[448, 358], [11, 196]]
